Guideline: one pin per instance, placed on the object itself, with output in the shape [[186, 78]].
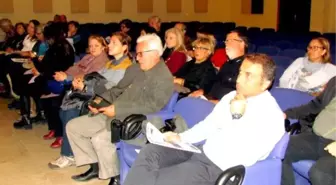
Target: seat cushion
[[303, 167], [129, 152]]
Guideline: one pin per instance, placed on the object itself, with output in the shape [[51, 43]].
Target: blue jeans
[[66, 116]]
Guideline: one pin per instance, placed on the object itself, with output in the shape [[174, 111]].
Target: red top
[[175, 61], [219, 57]]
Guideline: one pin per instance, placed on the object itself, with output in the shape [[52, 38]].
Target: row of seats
[[194, 110]]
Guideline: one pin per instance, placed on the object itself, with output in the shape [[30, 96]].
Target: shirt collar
[[117, 62], [237, 59], [258, 97]]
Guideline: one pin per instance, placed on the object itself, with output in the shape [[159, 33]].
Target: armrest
[[238, 172], [164, 115]]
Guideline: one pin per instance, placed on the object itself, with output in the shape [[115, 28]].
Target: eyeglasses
[[201, 48], [231, 40], [140, 53], [314, 48]]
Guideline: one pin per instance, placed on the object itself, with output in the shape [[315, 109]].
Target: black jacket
[[305, 112], [197, 76], [59, 57]]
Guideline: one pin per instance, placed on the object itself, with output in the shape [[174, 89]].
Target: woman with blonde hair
[[174, 53], [199, 73], [311, 72]]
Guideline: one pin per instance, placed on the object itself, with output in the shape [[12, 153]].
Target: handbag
[[128, 129]]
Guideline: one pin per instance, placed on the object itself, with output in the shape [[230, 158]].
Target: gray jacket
[[149, 93]]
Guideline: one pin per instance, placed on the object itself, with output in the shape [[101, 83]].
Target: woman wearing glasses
[[312, 72], [199, 73]]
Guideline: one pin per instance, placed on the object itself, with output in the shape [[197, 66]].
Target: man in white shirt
[[242, 129]]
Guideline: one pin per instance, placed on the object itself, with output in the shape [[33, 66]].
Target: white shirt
[[28, 44], [239, 142], [289, 79]]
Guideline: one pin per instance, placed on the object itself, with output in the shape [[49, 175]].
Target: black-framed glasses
[[140, 53], [231, 40]]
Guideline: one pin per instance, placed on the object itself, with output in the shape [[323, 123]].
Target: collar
[[237, 59], [258, 97], [117, 62]]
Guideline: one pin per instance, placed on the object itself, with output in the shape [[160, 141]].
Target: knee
[[72, 125], [321, 174]]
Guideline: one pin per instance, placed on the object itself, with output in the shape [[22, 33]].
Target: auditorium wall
[[322, 16]]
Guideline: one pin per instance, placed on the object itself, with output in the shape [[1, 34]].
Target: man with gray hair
[[90, 137]]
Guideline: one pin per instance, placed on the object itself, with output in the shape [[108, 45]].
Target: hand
[[69, 34], [285, 116], [60, 76], [93, 110], [179, 81], [171, 137], [35, 71], [197, 93], [238, 105], [40, 58], [331, 148], [32, 54], [9, 50], [108, 111], [78, 84]]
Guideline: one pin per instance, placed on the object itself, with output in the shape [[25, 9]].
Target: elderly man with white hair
[[90, 136]]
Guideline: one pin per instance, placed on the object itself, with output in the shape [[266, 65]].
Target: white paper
[[32, 80], [20, 60], [28, 72], [203, 97], [156, 137]]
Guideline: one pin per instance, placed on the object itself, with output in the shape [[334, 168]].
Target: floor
[[24, 156]]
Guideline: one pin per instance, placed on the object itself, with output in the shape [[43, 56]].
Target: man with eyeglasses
[[236, 46], [90, 137]]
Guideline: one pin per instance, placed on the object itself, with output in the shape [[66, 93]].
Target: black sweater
[[197, 76], [59, 57]]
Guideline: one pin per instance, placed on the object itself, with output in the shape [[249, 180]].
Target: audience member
[[92, 62], [236, 46], [59, 57], [312, 72], [151, 90], [174, 53], [72, 107], [223, 133], [318, 145], [198, 73]]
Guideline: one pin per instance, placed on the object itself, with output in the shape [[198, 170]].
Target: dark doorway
[[294, 15]]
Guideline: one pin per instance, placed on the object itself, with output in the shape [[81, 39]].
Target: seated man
[[235, 133], [318, 145], [90, 137], [236, 46]]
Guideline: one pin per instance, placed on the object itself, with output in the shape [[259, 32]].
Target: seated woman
[[92, 62], [13, 41], [113, 72], [59, 57], [312, 72], [198, 73], [28, 42], [73, 37], [174, 53], [14, 36]]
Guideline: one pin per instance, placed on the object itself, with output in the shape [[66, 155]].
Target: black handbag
[[128, 129]]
